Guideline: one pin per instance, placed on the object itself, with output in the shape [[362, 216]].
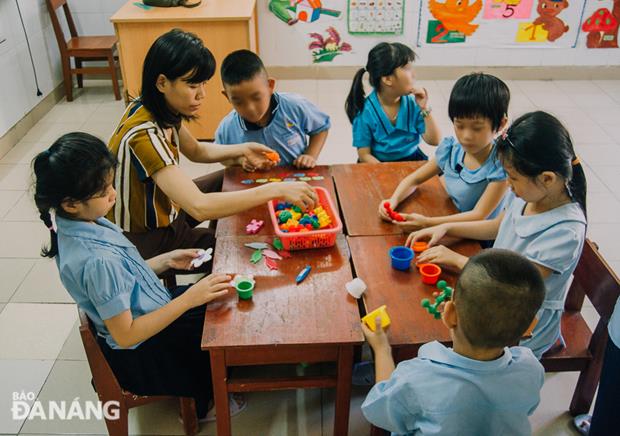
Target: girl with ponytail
[[545, 222], [388, 123], [149, 335]]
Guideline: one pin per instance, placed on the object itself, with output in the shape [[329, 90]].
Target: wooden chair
[[108, 389], [82, 48], [584, 350]]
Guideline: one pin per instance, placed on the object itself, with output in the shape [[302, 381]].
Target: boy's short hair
[[497, 297], [479, 95], [240, 66]]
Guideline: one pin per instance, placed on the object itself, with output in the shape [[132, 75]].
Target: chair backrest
[[52, 6], [105, 381], [594, 278]]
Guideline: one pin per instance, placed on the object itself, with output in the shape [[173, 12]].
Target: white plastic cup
[[356, 287]]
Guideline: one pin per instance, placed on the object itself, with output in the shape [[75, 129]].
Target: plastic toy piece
[[393, 215], [303, 274], [261, 180], [312, 174], [275, 179], [290, 179], [356, 287], [419, 246], [273, 156], [272, 255], [430, 273], [445, 295], [381, 311], [285, 254], [203, 257], [244, 286], [305, 179], [257, 245], [401, 257], [256, 256], [247, 181], [318, 177], [271, 264], [299, 174], [254, 227], [277, 244]]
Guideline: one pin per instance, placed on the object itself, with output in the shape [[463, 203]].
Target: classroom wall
[[285, 45]]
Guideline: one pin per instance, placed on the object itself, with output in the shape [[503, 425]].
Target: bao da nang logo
[[25, 407]]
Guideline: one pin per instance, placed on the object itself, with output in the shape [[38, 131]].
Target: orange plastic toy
[[419, 246], [430, 273], [273, 156]]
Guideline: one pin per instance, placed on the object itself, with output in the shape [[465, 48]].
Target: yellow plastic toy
[[369, 319]]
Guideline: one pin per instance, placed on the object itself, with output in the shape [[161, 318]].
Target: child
[[149, 336], [388, 123], [474, 177], [287, 123], [481, 386], [546, 222]]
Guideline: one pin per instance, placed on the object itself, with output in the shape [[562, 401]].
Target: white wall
[[17, 87], [285, 45]]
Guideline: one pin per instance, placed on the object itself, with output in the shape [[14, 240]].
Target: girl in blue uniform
[[474, 177], [150, 336], [388, 123], [546, 222]]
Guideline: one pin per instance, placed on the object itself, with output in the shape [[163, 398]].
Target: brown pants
[[182, 233]]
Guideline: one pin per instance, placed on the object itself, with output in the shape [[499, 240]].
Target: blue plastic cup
[[401, 257]]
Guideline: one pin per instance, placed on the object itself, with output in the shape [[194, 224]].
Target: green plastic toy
[[256, 256], [446, 294], [277, 244]]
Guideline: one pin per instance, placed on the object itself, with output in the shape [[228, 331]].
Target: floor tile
[[22, 239], [612, 130], [603, 208], [35, 331], [13, 273], [2, 307], [78, 113], [23, 152], [551, 417], [21, 376], [603, 235], [600, 154], [609, 176], [73, 349], [357, 423], [24, 210], [42, 285], [47, 133], [15, 177], [8, 199], [594, 183], [67, 380]]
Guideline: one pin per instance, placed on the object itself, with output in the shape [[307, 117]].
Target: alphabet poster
[[500, 23]]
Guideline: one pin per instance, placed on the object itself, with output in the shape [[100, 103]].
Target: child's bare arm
[[366, 156], [378, 341], [311, 155]]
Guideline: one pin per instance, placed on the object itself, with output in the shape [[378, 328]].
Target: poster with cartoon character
[[599, 27], [500, 23]]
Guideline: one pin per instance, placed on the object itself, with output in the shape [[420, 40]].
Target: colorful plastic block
[[254, 226], [445, 295], [369, 319], [393, 215], [273, 156]]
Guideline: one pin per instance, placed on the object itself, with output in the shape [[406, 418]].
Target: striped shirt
[[142, 149]]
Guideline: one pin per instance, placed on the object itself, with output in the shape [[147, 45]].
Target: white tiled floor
[[40, 348]]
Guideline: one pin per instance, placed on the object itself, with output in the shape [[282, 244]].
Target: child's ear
[[69, 206], [503, 123], [387, 80], [225, 94], [548, 178], [161, 83], [449, 316], [272, 84]]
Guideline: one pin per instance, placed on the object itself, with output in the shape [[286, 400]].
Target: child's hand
[[442, 255], [246, 165], [207, 289], [299, 193], [182, 258], [433, 234], [383, 213], [413, 221], [377, 340], [421, 97], [254, 153], [305, 161]]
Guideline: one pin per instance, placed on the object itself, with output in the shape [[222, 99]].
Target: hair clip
[[575, 161], [505, 135]]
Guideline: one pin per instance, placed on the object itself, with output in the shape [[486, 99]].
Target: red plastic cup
[[430, 273]]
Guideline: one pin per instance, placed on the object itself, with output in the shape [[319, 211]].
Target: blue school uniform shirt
[[614, 325], [465, 186], [293, 119], [441, 392], [104, 273], [372, 128], [553, 239]]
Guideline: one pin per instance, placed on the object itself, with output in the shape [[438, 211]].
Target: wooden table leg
[[220, 391], [343, 390]]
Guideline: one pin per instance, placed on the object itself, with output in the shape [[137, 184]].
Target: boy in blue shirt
[[481, 386], [287, 123]]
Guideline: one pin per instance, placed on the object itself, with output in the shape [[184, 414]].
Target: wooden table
[[223, 25], [235, 225], [361, 187], [401, 291], [315, 321]]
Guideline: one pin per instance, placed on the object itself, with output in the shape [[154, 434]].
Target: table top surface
[[233, 176], [318, 311], [208, 10], [361, 187], [401, 291]]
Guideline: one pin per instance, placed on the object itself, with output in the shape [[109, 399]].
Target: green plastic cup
[[244, 289]]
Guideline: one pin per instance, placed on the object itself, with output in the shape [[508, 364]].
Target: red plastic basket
[[314, 238]]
